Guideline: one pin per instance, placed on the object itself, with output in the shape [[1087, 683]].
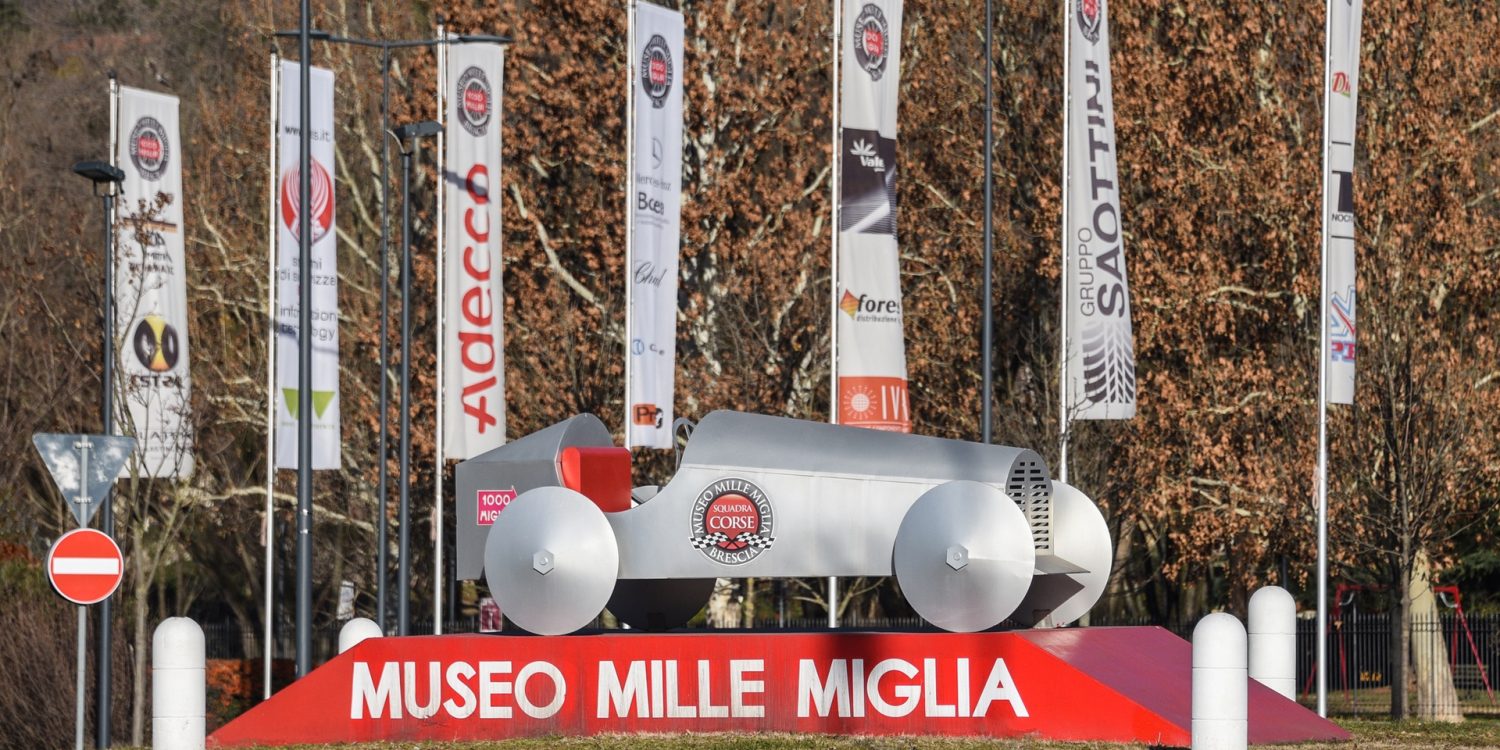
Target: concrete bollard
[[357, 630], [1273, 640], [1221, 688], [178, 685]]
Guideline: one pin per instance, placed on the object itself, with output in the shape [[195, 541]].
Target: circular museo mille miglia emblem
[[732, 522], [1090, 15], [872, 38], [474, 101], [656, 71], [149, 149]]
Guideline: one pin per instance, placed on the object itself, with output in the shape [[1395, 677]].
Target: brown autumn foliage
[[1219, 114]]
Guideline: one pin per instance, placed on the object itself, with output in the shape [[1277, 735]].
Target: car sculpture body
[[975, 534]]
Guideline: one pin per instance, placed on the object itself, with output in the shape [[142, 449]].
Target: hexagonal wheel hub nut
[[958, 557], [542, 562]]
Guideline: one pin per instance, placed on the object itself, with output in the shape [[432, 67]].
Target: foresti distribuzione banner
[[474, 301], [1340, 105], [325, 277], [1100, 346], [151, 321], [656, 208], [871, 362]]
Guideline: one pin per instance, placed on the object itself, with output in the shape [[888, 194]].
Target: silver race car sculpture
[[975, 534]]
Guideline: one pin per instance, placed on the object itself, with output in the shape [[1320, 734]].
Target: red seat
[[599, 474]]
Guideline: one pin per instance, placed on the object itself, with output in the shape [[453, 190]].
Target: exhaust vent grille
[[1030, 487]]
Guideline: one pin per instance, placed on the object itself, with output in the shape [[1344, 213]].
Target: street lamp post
[[386, 47], [403, 134], [109, 176]]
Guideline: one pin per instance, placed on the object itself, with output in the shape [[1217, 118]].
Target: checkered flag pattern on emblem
[[710, 540], [757, 541]]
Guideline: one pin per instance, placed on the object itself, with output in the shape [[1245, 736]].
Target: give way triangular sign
[[84, 467]]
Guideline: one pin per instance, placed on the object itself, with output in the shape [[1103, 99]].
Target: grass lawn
[[1368, 733]]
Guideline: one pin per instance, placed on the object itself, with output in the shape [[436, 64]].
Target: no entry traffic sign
[[85, 566]]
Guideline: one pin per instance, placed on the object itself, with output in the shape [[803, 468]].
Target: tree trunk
[[1437, 700], [1400, 650], [722, 612], [142, 654], [747, 610]]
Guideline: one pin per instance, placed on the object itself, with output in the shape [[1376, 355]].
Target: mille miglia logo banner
[[872, 387], [150, 290], [1101, 345]]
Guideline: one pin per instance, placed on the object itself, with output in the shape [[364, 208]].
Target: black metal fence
[[1359, 649]]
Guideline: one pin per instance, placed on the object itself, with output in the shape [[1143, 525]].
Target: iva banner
[[1340, 105], [325, 277], [871, 362], [473, 332], [1100, 346], [150, 294], [655, 209]]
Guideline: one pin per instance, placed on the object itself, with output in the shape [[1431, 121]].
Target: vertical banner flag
[[656, 203], [1340, 106], [871, 342], [150, 291], [473, 334], [1100, 347], [325, 276]]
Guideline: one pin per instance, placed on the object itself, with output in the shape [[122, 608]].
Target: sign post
[[84, 566]]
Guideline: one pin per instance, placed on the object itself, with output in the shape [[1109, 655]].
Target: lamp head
[[418, 129], [99, 172]]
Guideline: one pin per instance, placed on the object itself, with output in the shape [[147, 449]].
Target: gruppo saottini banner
[[1101, 345]]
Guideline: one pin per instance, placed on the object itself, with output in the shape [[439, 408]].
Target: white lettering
[[909, 695], [706, 707], [367, 697], [620, 695], [739, 687], [812, 690], [434, 689], [457, 672], [999, 687], [489, 687], [559, 690], [930, 705]]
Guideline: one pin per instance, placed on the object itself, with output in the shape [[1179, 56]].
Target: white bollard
[[357, 630], [1273, 640], [1221, 687], [178, 685]]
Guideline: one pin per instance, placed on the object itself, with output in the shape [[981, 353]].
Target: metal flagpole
[[383, 525], [1062, 368], [304, 342], [988, 335], [1322, 648], [833, 280], [268, 645], [107, 513], [630, 74], [437, 474]]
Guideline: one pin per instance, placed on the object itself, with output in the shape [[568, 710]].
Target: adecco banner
[[150, 291], [1119, 684], [871, 363], [325, 275], [474, 300], [655, 210]]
